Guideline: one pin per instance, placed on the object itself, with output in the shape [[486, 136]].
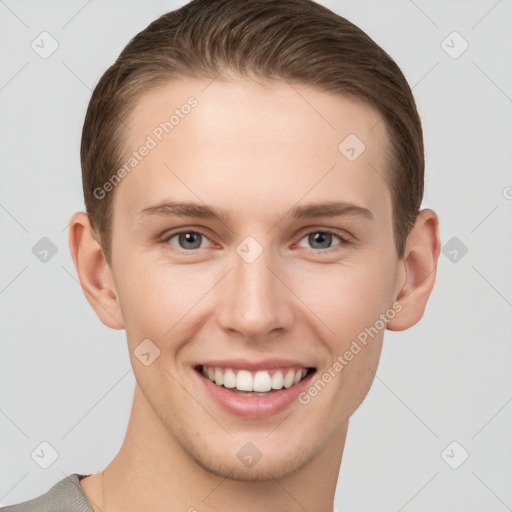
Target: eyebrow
[[305, 211]]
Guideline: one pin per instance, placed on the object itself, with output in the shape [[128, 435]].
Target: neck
[[152, 471]]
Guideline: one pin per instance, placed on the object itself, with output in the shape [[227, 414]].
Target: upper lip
[[245, 364]]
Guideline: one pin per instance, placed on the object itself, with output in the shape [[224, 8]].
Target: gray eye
[[320, 239], [323, 239], [188, 239]]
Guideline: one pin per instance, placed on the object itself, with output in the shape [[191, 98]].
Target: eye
[[322, 239], [190, 240], [187, 240]]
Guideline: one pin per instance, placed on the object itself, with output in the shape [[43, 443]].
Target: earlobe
[[93, 271], [419, 270]]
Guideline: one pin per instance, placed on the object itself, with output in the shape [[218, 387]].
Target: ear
[[418, 270], [93, 271]]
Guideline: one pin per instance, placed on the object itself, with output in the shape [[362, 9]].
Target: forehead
[[268, 142]]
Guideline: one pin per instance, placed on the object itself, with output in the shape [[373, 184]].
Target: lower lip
[[254, 406]]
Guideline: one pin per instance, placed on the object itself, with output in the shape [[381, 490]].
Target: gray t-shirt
[[66, 495]]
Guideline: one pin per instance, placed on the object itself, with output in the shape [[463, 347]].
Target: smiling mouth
[[255, 383]]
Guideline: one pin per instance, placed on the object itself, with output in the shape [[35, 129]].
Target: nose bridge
[[254, 301]]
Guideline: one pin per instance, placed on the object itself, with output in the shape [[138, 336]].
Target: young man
[[253, 174]]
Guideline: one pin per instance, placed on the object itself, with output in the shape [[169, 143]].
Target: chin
[[269, 467]]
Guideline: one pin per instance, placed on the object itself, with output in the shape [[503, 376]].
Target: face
[[274, 288]]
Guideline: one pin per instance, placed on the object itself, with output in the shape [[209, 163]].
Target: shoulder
[[65, 496]]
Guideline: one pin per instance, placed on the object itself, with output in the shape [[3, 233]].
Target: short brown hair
[[295, 40]]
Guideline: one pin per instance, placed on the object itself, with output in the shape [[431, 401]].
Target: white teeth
[[244, 381], [218, 377], [262, 382], [288, 379], [259, 384], [277, 380], [229, 379]]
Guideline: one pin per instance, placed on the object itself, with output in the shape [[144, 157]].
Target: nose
[[255, 298]]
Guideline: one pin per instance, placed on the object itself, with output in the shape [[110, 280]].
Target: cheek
[[160, 300], [350, 301], [346, 297]]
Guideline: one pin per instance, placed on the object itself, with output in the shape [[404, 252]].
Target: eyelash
[[343, 240]]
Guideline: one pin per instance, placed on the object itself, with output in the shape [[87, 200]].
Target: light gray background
[[66, 379]]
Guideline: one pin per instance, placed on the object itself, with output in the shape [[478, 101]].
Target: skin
[[257, 149]]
